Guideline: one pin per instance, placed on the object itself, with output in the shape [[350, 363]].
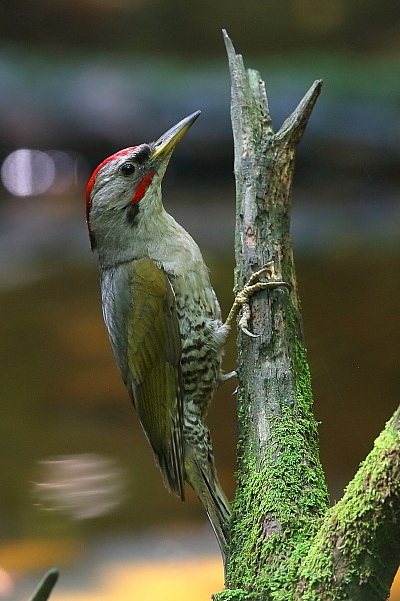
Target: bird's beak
[[167, 142]]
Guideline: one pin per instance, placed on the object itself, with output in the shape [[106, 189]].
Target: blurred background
[[78, 81]]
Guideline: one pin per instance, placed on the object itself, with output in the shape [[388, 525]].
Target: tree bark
[[285, 542]]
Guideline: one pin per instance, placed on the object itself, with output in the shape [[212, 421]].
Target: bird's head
[[125, 187]]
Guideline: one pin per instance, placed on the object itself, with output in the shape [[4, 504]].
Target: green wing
[[154, 371]]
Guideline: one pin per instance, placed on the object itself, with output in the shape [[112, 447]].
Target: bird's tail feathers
[[171, 474], [204, 481]]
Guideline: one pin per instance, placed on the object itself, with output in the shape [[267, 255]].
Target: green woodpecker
[[162, 315]]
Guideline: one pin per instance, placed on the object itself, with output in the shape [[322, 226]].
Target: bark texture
[[286, 544]]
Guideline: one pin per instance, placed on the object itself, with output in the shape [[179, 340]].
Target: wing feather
[[153, 372]]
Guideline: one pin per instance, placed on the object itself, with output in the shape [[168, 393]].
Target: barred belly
[[201, 368], [201, 356]]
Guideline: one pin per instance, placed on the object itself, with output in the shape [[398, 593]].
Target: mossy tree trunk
[[286, 543]]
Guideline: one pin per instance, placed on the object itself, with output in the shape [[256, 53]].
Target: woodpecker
[[162, 316]]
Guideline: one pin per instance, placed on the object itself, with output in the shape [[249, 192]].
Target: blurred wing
[[154, 371]]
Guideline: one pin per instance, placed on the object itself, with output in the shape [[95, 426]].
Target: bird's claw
[[248, 333], [228, 376], [254, 285]]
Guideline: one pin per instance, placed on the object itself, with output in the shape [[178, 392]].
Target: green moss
[[357, 523], [234, 595], [280, 496], [275, 510]]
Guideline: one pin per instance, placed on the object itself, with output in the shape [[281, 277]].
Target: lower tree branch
[[356, 553]]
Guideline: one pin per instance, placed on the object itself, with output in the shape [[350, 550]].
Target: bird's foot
[[241, 302], [224, 377]]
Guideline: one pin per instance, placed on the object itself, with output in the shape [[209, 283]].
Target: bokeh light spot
[[83, 486], [27, 172]]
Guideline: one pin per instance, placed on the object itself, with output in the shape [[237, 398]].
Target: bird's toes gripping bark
[[224, 377], [241, 302]]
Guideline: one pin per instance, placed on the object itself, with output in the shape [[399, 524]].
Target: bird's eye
[[127, 169]]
